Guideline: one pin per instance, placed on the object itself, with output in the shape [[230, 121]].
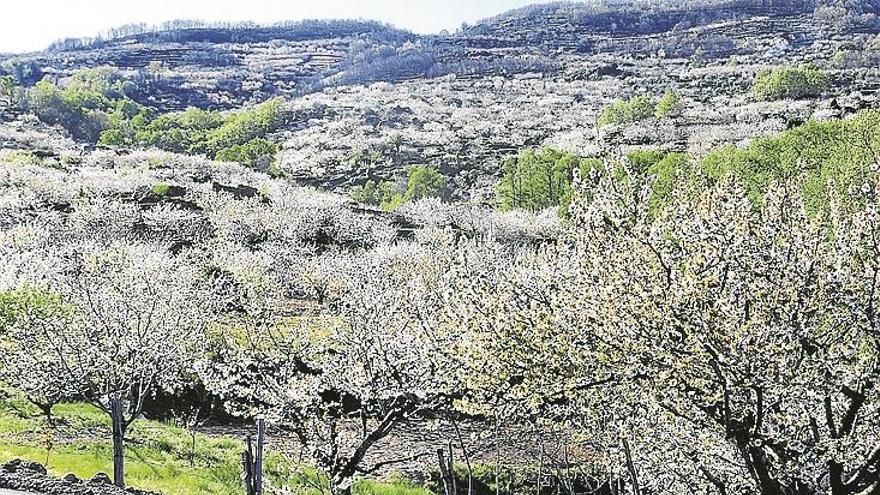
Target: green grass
[[157, 454], [144, 469], [392, 487]]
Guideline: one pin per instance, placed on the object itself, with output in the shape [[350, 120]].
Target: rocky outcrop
[[31, 477]]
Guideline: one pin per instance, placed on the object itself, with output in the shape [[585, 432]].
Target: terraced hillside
[[366, 100], [527, 245]]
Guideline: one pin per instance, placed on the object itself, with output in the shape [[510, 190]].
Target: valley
[[612, 247]]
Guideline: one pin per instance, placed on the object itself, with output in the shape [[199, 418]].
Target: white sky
[[29, 25]]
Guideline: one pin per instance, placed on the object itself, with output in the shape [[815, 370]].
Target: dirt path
[[414, 443], [419, 442]]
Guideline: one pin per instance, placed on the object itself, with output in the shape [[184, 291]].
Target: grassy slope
[[157, 455]]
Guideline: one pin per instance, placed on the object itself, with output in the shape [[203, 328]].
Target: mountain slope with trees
[[642, 235], [365, 101]]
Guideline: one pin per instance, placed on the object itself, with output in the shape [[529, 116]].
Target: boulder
[[240, 191], [101, 479]]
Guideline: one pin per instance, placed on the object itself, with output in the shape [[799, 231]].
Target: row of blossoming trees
[[722, 343]]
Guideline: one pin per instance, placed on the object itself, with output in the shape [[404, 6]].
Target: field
[[159, 456]]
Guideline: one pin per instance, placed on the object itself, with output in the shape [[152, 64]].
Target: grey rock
[[31, 477], [101, 478]]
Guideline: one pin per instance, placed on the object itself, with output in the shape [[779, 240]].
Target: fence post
[[258, 458]]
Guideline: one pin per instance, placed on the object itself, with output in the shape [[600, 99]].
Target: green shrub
[[23, 157], [424, 182], [80, 112], [95, 106], [256, 153], [9, 92], [835, 156], [635, 109], [179, 132], [789, 82], [126, 121], [23, 72], [670, 105], [106, 81], [662, 168], [161, 188], [68, 160], [539, 179], [241, 127], [85, 104], [383, 194], [18, 303], [238, 136]]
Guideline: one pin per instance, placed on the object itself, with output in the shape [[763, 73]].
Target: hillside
[[624, 246], [366, 100]]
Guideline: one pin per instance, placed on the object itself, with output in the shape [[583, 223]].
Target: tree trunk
[[835, 478], [252, 462], [192, 448], [766, 482], [247, 462], [633, 475], [345, 490], [540, 478], [452, 470], [446, 475], [50, 430], [46, 409], [340, 486], [467, 458], [117, 417], [497, 461]]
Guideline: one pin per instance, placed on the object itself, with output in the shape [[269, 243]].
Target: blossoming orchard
[[616, 247], [717, 343]]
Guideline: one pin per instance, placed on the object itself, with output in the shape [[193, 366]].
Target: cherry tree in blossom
[[128, 321], [744, 333], [341, 377]]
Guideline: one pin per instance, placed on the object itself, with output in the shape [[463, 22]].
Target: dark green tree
[[789, 82], [424, 182], [540, 178]]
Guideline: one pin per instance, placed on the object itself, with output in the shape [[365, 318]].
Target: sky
[[30, 25]]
